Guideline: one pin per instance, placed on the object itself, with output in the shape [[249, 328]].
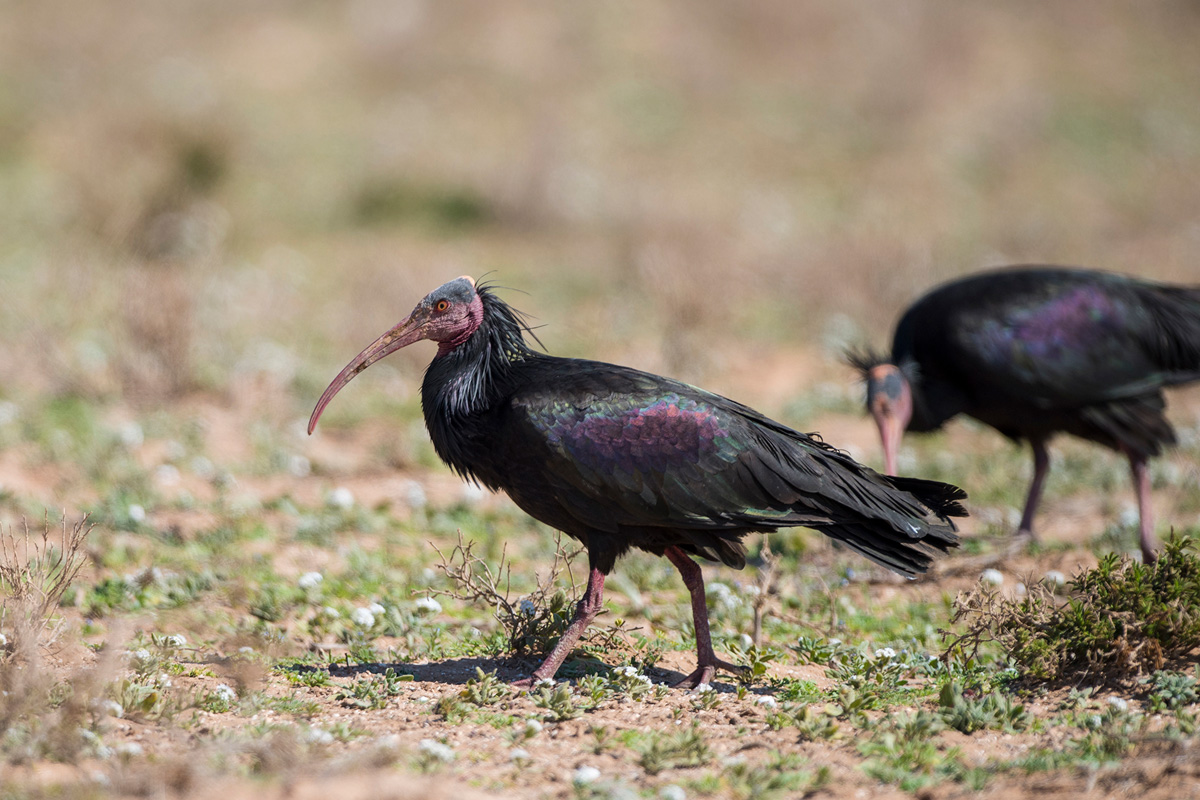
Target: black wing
[[622, 449]]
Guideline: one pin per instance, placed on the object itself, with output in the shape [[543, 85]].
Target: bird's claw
[[706, 672]]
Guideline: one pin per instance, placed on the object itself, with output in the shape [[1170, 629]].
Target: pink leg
[[589, 606], [1041, 466], [708, 663], [1141, 484]]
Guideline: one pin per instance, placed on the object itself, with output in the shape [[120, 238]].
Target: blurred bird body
[[618, 458], [1035, 351]]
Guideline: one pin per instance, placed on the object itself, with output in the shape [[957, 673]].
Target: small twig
[[765, 581]]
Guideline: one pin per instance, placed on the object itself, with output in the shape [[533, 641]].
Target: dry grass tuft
[[533, 622], [35, 572]]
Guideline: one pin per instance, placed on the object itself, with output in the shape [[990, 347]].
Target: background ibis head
[[890, 401], [448, 315]]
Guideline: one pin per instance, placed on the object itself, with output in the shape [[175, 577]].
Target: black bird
[[618, 459], [1037, 350]]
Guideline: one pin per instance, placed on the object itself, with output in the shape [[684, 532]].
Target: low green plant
[[756, 660], [373, 691], [310, 676], [144, 697], [1119, 619], [904, 752], [705, 697], [1170, 691], [558, 702], [810, 650], [1107, 737], [685, 747], [813, 723], [620, 682], [485, 689], [993, 711], [781, 776]]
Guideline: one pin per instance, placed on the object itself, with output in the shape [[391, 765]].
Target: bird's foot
[[1022, 539], [706, 672], [532, 682]]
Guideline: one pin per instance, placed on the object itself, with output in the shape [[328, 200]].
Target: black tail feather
[[942, 498]]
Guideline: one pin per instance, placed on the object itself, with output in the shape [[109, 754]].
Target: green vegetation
[[1120, 619]]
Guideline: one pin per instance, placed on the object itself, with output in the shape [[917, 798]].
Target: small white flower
[[428, 605], [167, 474], [137, 513], [246, 650], [141, 656], [1129, 516], [3, 640], [224, 692], [518, 754], [128, 749], [1119, 703], [377, 609], [203, 467], [472, 494], [745, 641], [175, 640], [885, 652], [310, 580], [527, 607], [414, 495], [299, 466], [131, 435], [585, 775], [341, 497], [992, 576], [532, 727], [362, 617], [1054, 578], [547, 682], [672, 792], [330, 612], [628, 672], [765, 700], [703, 688], [436, 750], [113, 708], [318, 736]]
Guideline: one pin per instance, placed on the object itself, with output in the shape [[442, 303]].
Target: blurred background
[[209, 207]]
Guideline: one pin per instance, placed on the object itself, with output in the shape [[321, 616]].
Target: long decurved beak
[[891, 431], [403, 334]]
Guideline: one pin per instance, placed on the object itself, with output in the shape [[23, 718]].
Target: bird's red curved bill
[[402, 335]]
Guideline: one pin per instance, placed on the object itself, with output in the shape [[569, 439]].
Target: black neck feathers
[[463, 384]]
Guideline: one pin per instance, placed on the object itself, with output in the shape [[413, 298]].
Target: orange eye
[[442, 305]]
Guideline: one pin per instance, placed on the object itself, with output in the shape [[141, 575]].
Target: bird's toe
[[700, 675]]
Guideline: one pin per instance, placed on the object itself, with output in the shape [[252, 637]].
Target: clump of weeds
[[1119, 620]]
